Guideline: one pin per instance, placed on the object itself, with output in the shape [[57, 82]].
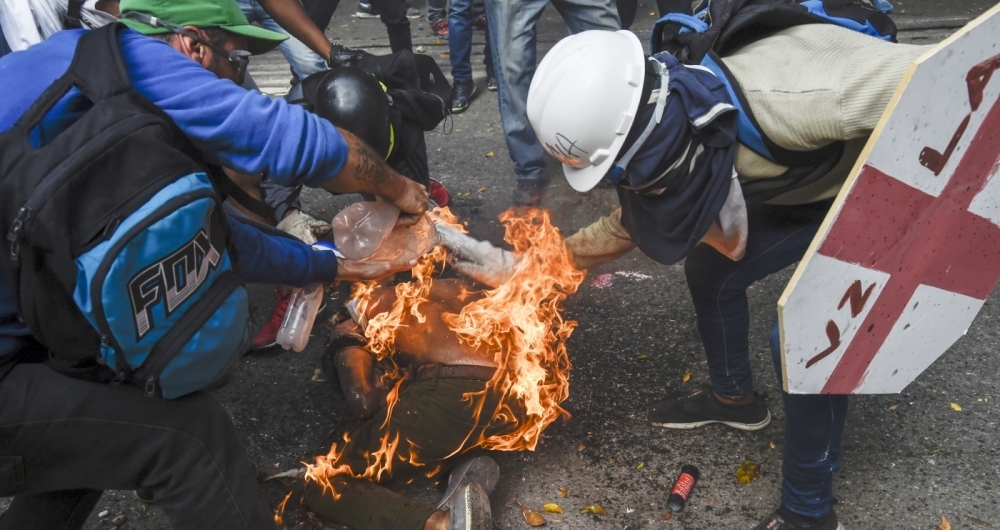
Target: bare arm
[[356, 371], [290, 15]]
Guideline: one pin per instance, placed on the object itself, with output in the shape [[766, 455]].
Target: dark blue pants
[[460, 17], [778, 237]]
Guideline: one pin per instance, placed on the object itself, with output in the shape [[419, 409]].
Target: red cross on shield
[[911, 248]]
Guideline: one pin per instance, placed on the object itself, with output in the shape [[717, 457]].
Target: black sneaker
[[491, 83], [461, 95], [783, 519], [529, 192], [700, 408], [366, 11], [480, 22]]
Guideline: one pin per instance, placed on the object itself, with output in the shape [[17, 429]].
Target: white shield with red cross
[[911, 248]]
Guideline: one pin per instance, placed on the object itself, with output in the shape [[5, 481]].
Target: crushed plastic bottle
[[300, 317], [408, 243], [359, 229]]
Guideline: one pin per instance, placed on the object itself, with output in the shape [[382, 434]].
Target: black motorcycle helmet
[[354, 100]]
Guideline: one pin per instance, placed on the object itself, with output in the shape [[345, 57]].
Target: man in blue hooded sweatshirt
[[64, 440]]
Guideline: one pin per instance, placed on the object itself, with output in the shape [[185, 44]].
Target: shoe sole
[[460, 473], [735, 425], [359, 14], [472, 510]]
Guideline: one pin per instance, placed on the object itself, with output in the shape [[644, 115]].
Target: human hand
[[412, 201], [351, 270], [479, 260], [300, 225], [493, 274]]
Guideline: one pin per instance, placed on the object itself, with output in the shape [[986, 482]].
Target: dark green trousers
[[433, 419]]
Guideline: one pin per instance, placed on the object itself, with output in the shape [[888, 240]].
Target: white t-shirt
[[27, 22]]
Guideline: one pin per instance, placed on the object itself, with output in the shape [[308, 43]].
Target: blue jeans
[[304, 62], [814, 434], [778, 237], [512, 33], [460, 41]]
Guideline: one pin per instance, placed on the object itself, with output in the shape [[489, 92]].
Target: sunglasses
[[240, 59]]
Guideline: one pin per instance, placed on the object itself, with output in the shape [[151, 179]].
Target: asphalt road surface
[[908, 459]]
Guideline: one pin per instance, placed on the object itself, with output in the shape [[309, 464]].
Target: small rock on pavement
[[119, 520]]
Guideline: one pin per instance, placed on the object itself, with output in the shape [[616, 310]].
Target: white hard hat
[[583, 100]]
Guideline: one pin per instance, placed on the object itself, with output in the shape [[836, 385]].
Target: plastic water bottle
[[300, 316]]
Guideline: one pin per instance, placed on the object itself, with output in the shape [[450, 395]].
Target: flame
[[279, 512], [520, 322], [444, 216]]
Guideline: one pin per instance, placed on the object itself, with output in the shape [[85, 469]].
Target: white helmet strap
[[661, 104]]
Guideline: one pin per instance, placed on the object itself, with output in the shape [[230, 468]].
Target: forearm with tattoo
[[369, 166], [365, 172]]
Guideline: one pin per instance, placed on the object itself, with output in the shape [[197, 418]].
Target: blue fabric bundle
[[677, 182]]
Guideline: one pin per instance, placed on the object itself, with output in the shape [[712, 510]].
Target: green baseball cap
[[223, 14]]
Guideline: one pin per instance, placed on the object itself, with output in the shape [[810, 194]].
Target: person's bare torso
[[431, 341]]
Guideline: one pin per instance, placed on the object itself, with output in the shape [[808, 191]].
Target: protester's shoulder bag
[[704, 34], [418, 94], [114, 241], [415, 83]]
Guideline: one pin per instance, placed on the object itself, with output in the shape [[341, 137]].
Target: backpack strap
[[753, 136], [98, 70], [230, 190], [73, 11]]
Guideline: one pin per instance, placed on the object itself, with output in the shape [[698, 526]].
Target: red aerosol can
[[681, 491]]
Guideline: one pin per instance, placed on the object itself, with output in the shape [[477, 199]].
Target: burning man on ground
[[442, 371]]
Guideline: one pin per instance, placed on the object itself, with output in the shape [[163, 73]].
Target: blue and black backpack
[[114, 240], [701, 35]]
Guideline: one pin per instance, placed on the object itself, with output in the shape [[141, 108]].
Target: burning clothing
[[462, 369], [439, 425]]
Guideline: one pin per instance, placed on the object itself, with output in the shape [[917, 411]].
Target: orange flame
[[279, 512], [520, 322], [444, 216]]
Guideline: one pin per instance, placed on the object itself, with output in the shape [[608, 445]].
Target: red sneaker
[[440, 28], [439, 194], [268, 334]]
